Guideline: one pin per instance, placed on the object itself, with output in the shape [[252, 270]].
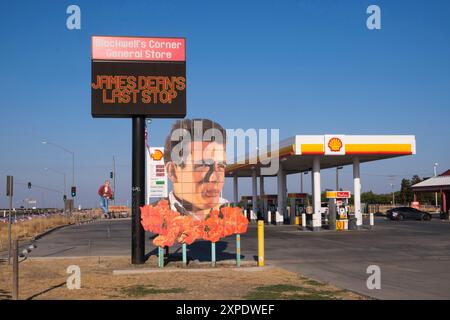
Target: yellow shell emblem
[[335, 144], [157, 155]]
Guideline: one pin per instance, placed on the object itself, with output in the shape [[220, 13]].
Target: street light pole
[[337, 177], [73, 159], [301, 180], [68, 151], [393, 195], [64, 175]]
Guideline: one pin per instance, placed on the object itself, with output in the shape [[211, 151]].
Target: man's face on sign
[[200, 180]]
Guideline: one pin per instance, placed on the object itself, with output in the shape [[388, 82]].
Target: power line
[[396, 175]]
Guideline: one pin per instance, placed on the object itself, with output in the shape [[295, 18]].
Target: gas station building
[[439, 184], [303, 153]]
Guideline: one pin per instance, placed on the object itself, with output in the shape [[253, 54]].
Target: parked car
[[407, 213]]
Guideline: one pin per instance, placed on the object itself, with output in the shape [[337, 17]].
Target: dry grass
[[46, 279], [28, 229]]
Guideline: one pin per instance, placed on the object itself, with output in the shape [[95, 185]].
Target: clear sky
[[305, 67]]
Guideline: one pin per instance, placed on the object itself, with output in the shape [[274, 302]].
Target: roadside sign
[[338, 194], [156, 178], [138, 76]]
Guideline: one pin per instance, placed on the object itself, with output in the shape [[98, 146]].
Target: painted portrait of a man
[[195, 159]]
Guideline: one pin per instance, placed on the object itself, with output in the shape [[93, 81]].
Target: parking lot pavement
[[414, 256]]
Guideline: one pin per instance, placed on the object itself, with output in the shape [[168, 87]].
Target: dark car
[[407, 213]]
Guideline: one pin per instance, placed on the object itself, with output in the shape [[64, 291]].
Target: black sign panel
[[123, 89]]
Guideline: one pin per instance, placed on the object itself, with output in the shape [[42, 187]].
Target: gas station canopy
[[297, 153], [312, 153]]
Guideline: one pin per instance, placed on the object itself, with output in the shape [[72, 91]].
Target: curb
[[164, 270], [37, 237]]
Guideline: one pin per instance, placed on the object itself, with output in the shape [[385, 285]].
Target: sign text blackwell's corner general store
[[134, 76]]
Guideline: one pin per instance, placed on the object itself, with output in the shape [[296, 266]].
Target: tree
[[406, 195]]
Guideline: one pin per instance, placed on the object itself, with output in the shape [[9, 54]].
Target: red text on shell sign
[[137, 48]]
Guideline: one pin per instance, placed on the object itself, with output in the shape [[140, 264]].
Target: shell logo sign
[[156, 176], [334, 145], [338, 194], [157, 155]]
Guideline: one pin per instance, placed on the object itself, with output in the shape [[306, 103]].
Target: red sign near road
[[138, 48], [343, 194]]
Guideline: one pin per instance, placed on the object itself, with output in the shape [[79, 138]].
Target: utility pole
[[435, 194], [114, 180], [9, 193]]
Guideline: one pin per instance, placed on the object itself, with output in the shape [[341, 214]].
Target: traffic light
[[29, 185], [74, 192], [64, 198], [111, 174]]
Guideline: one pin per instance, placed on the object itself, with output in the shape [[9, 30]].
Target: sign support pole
[[15, 288], [238, 250], [138, 190], [184, 254], [213, 254]]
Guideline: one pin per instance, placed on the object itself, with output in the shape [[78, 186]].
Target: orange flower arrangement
[[172, 227]]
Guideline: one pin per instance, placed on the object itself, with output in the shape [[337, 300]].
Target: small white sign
[[156, 176]]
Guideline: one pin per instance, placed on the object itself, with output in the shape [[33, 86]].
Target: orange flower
[[171, 226], [163, 241], [190, 230], [241, 224], [151, 219], [229, 218], [235, 221], [157, 219], [212, 228]]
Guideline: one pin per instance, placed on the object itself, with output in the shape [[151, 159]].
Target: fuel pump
[[270, 205], [298, 206], [247, 203], [338, 209]]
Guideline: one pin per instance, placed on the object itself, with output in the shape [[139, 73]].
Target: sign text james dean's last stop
[[134, 76]]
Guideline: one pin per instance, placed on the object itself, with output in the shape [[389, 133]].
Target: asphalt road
[[414, 256]]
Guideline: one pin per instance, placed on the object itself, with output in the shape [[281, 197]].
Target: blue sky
[[305, 67]]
